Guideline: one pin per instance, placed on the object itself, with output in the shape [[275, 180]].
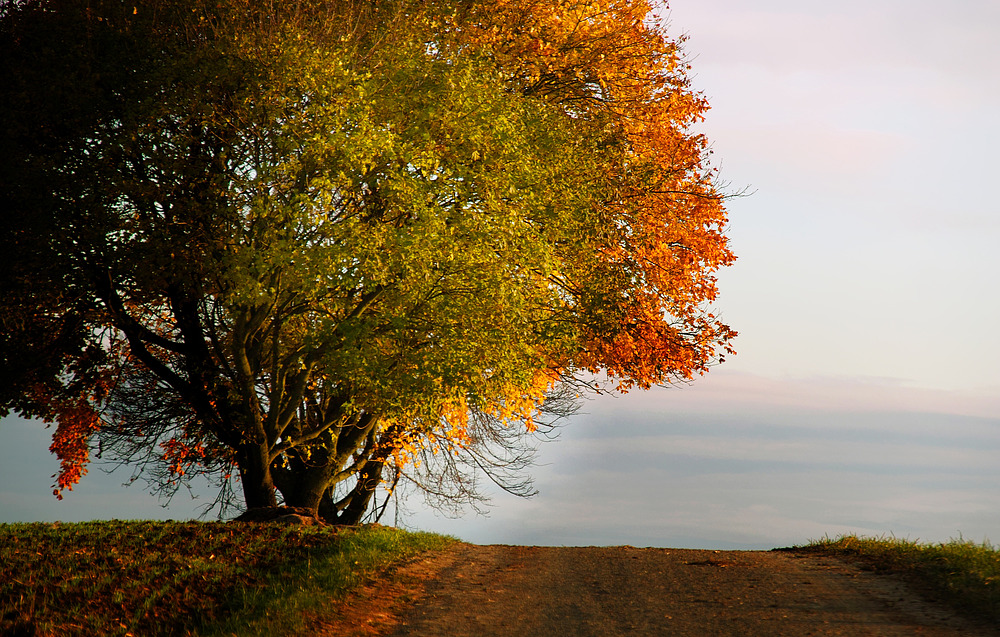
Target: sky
[[865, 396]]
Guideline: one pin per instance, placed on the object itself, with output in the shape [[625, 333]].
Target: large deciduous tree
[[308, 243]]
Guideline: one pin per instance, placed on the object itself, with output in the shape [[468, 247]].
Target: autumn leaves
[[395, 216]]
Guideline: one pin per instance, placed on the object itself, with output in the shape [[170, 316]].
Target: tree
[[310, 244]]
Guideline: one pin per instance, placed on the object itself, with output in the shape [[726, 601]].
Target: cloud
[[785, 450], [724, 391], [744, 461]]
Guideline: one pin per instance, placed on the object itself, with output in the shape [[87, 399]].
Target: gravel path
[[527, 591]]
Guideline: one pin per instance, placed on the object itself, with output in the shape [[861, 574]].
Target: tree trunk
[[368, 480], [255, 476], [305, 487]]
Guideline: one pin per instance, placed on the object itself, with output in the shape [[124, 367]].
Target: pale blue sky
[[868, 132], [866, 393]]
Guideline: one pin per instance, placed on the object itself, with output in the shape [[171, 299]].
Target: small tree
[[304, 244]]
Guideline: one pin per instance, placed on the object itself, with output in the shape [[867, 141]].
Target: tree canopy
[[305, 243]]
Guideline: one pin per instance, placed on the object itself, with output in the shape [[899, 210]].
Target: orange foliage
[[660, 233], [74, 406], [180, 455], [76, 421]]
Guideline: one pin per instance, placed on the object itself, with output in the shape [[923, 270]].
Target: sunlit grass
[[164, 578], [962, 573]]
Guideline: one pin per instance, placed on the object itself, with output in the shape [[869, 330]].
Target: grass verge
[[964, 574], [174, 578]]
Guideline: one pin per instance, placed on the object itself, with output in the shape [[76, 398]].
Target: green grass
[[170, 578], [964, 574]]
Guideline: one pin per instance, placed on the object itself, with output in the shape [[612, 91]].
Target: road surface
[[528, 591]]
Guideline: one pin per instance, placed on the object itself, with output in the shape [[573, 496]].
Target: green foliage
[[292, 231], [307, 243], [166, 578], [964, 573]]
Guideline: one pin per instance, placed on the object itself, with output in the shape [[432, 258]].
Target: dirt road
[[486, 591]]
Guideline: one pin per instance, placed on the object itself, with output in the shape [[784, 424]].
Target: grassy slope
[[963, 574], [164, 578]]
